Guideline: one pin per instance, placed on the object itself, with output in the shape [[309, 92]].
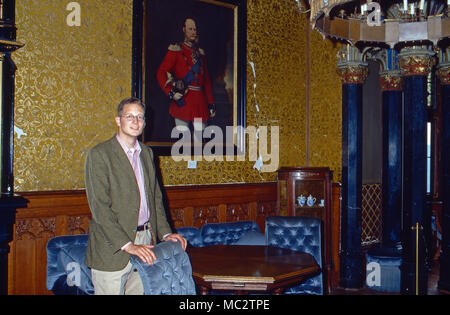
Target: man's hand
[[177, 238], [177, 96], [144, 252]]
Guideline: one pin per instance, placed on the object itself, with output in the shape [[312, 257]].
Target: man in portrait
[[183, 76]]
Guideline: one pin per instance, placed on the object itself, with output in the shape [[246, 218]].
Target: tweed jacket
[[113, 197]]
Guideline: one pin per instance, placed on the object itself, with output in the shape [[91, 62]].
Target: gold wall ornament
[[391, 81], [416, 61], [443, 72]]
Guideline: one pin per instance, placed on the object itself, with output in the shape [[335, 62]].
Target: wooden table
[[244, 268]]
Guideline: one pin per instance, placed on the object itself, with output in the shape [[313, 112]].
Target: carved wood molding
[[35, 228]]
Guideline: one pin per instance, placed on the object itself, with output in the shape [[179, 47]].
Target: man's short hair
[[129, 100], [190, 18]]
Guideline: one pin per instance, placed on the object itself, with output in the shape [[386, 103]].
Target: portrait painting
[[193, 61]]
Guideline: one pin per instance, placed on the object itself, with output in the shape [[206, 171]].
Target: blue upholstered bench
[[297, 233], [67, 273], [227, 233]]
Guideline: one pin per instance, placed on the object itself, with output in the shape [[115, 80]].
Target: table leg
[[204, 290], [278, 291]]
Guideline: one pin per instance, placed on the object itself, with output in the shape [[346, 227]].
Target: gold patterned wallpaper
[[70, 79], [325, 106], [67, 84]]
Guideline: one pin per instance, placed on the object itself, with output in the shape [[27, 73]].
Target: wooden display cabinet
[[293, 182]]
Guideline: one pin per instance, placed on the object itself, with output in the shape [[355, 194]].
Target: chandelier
[[390, 22]]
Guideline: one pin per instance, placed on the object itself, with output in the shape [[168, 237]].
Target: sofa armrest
[[66, 271]]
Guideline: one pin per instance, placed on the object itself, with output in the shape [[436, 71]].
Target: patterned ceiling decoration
[[319, 7]]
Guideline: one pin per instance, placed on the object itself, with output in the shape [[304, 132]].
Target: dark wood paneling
[[335, 233]]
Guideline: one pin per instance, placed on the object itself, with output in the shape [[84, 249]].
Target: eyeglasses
[[131, 117]]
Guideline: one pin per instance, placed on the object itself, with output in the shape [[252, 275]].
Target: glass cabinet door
[[309, 198]]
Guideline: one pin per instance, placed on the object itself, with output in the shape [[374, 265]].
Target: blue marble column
[[415, 64], [444, 259], [391, 86], [353, 75]]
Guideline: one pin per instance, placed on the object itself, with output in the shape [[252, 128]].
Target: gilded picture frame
[[221, 25]]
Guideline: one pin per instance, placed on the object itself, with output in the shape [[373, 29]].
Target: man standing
[[183, 76], [125, 199]]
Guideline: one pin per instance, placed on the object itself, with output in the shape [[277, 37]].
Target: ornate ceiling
[[401, 21]]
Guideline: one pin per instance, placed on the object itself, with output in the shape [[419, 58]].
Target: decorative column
[[391, 86], [415, 64], [444, 259], [353, 72], [9, 202]]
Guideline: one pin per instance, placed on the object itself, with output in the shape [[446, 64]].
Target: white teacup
[[310, 201], [322, 203], [301, 200]]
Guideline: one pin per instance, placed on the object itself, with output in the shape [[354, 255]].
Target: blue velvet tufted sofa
[[303, 234], [66, 254], [300, 233], [238, 233], [67, 273], [66, 270]]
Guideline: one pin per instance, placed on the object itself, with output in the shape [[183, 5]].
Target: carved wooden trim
[[238, 212], [204, 215], [34, 228]]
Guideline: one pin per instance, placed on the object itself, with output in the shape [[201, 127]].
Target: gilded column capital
[[416, 61], [353, 73], [443, 72], [391, 80], [351, 66]]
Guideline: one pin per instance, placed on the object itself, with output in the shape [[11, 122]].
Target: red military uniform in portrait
[[178, 64]]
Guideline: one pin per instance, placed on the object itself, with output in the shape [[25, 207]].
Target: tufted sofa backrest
[[66, 270], [170, 274], [226, 233], [302, 234], [192, 235]]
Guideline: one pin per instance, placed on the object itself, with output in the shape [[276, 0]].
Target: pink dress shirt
[[135, 161]]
